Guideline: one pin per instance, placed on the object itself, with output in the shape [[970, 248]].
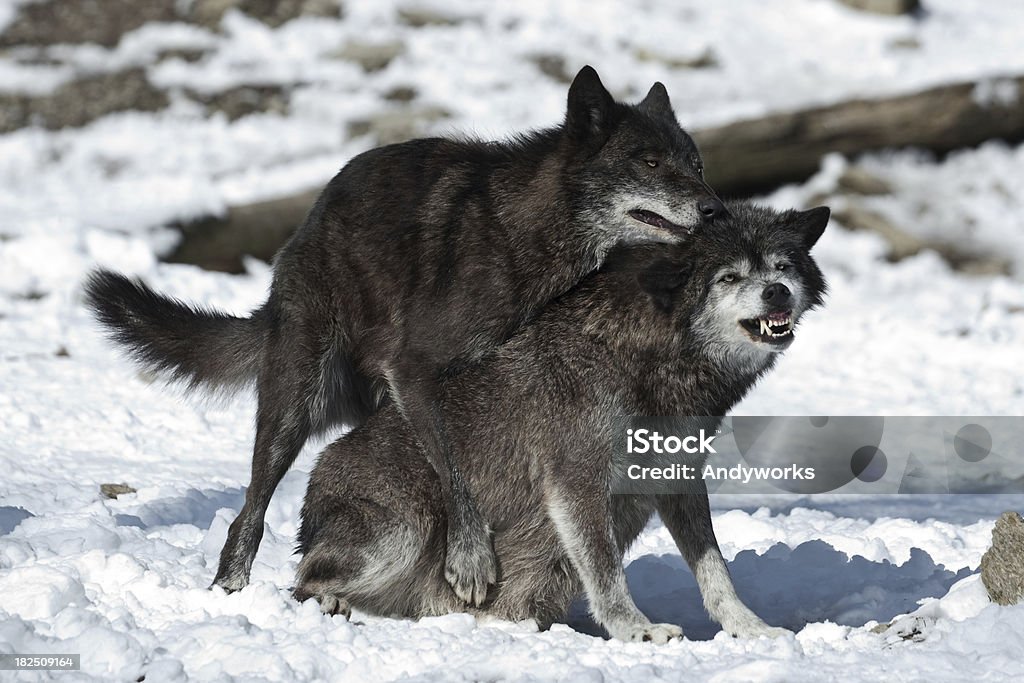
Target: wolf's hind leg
[[688, 518], [329, 602], [369, 557], [295, 398]]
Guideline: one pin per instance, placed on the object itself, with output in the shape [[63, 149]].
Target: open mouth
[[651, 218], [773, 328]]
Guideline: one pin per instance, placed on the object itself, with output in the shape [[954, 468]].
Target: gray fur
[[531, 426], [417, 260]]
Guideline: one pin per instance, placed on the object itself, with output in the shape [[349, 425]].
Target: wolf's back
[[194, 345]]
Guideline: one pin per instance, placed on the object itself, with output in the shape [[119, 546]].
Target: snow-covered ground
[[124, 582]]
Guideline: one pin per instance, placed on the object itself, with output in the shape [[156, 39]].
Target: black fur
[[531, 426], [416, 260], [192, 344]]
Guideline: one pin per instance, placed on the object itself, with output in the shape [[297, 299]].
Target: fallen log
[[220, 242], [742, 158], [749, 157]]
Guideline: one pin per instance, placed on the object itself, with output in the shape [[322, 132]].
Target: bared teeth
[[776, 328]]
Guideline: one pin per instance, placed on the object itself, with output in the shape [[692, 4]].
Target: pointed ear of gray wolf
[[810, 223]]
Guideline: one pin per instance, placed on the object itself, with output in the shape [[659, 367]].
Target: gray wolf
[[416, 260], [660, 330]]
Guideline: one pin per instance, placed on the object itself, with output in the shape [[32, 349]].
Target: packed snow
[[125, 582]]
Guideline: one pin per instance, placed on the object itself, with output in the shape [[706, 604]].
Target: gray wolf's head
[[632, 169], [741, 286]]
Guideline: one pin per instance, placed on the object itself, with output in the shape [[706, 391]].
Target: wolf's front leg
[[688, 518], [581, 513], [470, 565]]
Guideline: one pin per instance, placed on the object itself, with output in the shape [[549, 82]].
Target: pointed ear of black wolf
[[657, 102], [590, 104], [810, 224], [660, 281]]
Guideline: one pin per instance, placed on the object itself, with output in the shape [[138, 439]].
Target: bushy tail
[[197, 346]]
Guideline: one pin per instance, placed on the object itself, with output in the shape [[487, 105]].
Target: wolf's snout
[[776, 294], [711, 208]]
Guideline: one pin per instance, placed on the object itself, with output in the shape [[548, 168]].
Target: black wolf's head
[[740, 287], [632, 168]]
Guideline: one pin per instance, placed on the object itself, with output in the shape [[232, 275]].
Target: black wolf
[[416, 260], [660, 330]]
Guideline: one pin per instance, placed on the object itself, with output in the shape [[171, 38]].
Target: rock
[[186, 54], [115, 490], [271, 12], [81, 101], [893, 7], [418, 17], [397, 126], [401, 93], [905, 43], [208, 13], [703, 60], [244, 100], [858, 181], [1002, 565], [552, 66], [371, 56], [83, 21]]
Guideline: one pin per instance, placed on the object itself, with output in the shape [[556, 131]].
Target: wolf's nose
[[710, 208], [776, 294]]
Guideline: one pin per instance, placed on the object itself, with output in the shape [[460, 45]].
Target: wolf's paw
[[470, 565], [332, 604], [659, 634], [756, 629], [231, 583]]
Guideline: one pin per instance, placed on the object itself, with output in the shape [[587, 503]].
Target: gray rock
[[401, 93], [553, 66], [186, 54], [1002, 566], [705, 59], [245, 99], [81, 101], [271, 12], [905, 43], [83, 21], [115, 490], [892, 7], [397, 126], [370, 56], [418, 17]]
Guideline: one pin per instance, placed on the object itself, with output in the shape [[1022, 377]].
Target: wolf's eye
[[781, 266], [653, 163], [729, 277], [700, 171]]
